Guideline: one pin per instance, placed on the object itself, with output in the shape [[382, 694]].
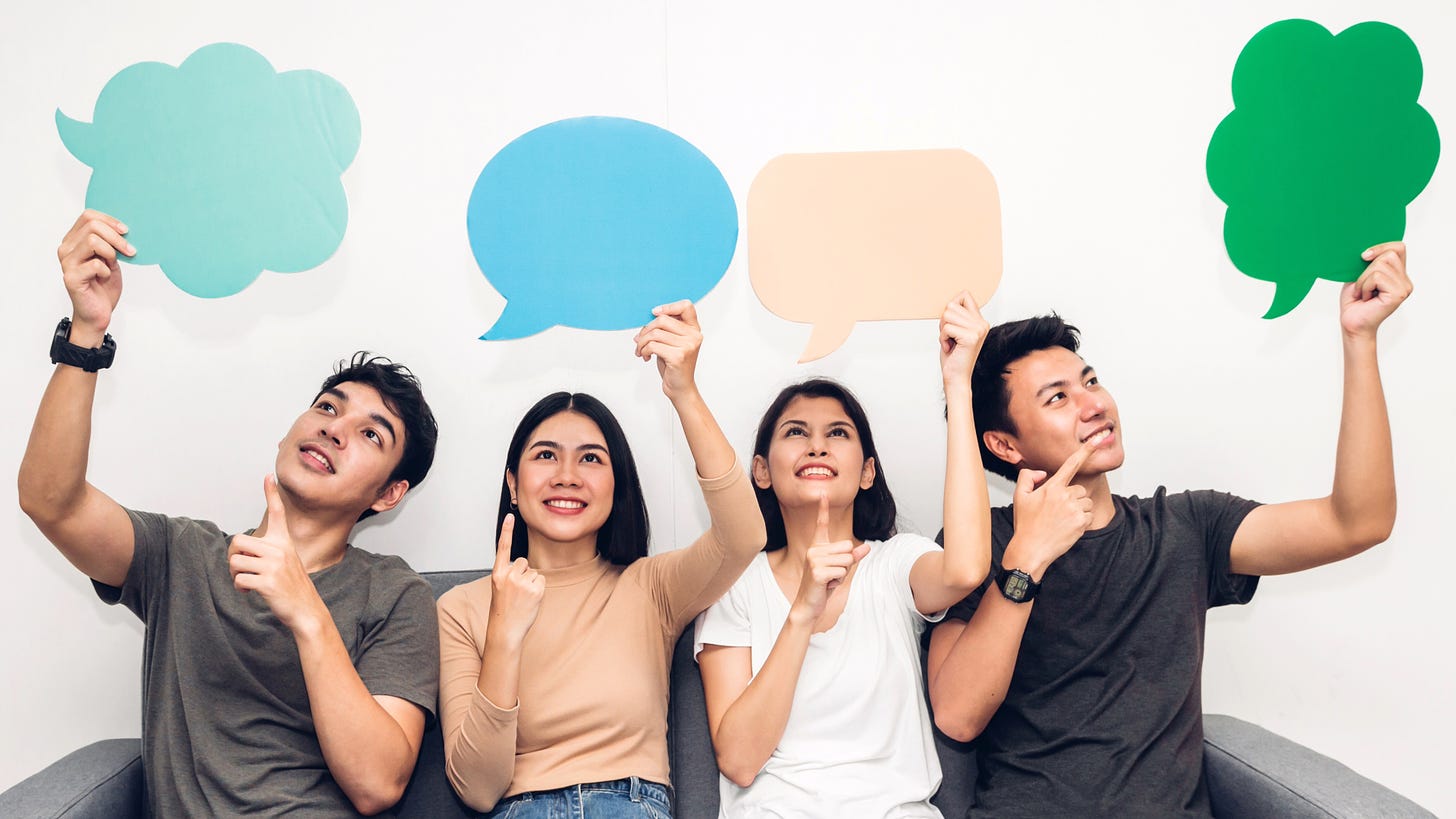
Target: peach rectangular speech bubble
[[838, 238]]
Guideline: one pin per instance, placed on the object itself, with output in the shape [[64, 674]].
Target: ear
[[390, 496], [760, 472], [867, 474], [1003, 446], [511, 483]]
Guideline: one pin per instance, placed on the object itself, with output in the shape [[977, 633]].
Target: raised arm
[[747, 714], [970, 663], [89, 528], [939, 579], [1359, 512], [370, 743], [692, 579], [480, 689]]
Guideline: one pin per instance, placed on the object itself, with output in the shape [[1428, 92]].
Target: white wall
[[1094, 118]]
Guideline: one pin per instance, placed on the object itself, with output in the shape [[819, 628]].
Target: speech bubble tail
[[825, 339], [1287, 296], [514, 324], [76, 136]]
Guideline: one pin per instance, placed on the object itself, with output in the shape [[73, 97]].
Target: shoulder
[[389, 576], [177, 529], [466, 595]]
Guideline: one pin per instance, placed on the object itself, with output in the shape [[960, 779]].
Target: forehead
[[1036, 369], [568, 428], [815, 410]]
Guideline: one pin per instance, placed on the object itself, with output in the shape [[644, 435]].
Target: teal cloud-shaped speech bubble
[[1324, 149], [222, 167]]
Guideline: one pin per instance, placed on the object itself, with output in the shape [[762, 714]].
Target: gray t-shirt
[[226, 723], [1104, 716]]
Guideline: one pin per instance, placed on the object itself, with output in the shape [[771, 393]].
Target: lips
[[816, 472], [314, 455], [1099, 435], [564, 506]]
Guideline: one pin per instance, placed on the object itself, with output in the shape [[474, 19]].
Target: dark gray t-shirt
[[1104, 716], [226, 723]]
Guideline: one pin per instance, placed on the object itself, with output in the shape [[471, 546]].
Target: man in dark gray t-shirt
[[1077, 665], [285, 671]]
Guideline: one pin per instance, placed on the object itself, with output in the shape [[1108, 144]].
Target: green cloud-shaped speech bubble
[[222, 167], [1324, 149]]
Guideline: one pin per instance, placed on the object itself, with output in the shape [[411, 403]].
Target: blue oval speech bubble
[[593, 221]]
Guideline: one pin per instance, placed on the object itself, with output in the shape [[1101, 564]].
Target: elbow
[[378, 799], [739, 772], [43, 504], [958, 727], [967, 581]]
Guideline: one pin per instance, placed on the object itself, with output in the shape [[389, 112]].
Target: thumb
[[1028, 479], [503, 545]]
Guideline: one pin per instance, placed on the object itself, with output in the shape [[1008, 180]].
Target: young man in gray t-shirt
[[1077, 665], [285, 671]]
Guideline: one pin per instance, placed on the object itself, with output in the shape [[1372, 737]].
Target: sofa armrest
[[102, 780], [1255, 773]]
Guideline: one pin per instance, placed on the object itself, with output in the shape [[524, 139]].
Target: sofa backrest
[[689, 745]]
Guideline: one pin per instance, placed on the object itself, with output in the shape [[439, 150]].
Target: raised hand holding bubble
[[962, 332], [89, 268], [1370, 299], [674, 338]]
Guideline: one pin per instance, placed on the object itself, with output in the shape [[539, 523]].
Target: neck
[[543, 553], [1100, 492], [320, 542]]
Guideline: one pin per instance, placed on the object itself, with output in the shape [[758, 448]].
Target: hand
[[675, 338], [270, 566], [516, 589], [962, 332], [1051, 517], [92, 274], [825, 567], [1367, 301]]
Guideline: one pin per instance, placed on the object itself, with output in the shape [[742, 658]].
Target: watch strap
[[1016, 585], [89, 359]]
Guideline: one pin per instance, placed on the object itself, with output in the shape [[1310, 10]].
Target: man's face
[[1056, 403], [339, 454]]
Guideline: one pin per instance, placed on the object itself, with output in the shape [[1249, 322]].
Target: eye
[[325, 406], [795, 431], [839, 432], [544, 455], [374, 437], [1056, 398], [1093, 382], [592, 458]]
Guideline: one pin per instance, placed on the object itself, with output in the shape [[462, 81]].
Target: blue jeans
[[630, 798]]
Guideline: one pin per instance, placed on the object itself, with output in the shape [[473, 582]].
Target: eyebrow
[[554, 445], [374, 416], [1061, 384], [833, 425]]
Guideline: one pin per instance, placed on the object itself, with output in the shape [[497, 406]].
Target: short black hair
[[874, 508], [1005, 345], [401, 393], [623, 537]]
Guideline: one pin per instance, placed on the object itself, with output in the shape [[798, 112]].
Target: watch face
[[1016, 586]]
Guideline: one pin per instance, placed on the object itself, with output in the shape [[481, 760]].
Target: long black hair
[[623, 537], [874, 508]]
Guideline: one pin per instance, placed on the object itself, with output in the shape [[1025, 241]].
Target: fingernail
[[130, 251], [122, 227], [1366, 255]]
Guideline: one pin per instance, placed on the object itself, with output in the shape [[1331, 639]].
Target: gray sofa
[[1251, 772]]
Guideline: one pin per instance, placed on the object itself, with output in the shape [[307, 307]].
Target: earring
[[513, 503]]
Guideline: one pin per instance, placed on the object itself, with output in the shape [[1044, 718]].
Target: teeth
[[566, 504], [324, 462], [816, 471], [1099, 437]]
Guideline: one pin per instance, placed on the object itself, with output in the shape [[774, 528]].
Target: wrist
[[1026, 557], [801, 615], [85, 333]]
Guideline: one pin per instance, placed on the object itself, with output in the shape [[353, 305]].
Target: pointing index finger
[[277, 516], [1074, 463], [821, 528], [503, 546]]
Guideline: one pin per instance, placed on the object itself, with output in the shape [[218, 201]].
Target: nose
[[566, 474], [1092, 404], [330, 431], [819, 444]]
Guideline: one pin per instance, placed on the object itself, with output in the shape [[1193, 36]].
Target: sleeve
[[480, 736], [901, 552], [684, 582], [725, 623], [152, 535], [400, 660], [1219, 515]]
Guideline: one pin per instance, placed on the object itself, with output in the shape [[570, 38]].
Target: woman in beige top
[[554, 670]]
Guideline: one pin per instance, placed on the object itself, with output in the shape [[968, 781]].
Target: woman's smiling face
[[564, 484]]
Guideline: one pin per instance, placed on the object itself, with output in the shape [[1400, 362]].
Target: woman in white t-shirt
[[811, 662]]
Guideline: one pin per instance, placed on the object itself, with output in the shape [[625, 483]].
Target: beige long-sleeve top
[[594, 666]]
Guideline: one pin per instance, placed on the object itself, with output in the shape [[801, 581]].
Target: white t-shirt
[[858, 741]]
